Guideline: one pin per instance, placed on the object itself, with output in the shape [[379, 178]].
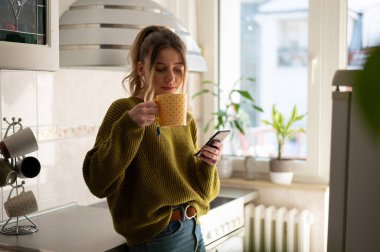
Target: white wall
[[64, 109]]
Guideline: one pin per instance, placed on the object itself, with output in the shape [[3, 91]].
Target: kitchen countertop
[[73, 228], [81, 228], [247, 194]]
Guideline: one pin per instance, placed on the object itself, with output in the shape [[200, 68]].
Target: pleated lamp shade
[[99, 33]]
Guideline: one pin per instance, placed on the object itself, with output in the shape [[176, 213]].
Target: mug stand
[[17, 229]]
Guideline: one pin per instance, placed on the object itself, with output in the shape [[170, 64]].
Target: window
[[270, 41], [292, 48], [363, 25]]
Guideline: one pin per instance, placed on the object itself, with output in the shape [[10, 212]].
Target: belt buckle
[[189, 217]]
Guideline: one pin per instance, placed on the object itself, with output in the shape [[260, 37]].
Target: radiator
[[277, 229]]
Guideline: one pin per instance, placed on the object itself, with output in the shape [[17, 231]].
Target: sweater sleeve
[[206, 175], [116, 145]]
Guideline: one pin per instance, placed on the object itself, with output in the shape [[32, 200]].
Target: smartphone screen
[[220, 135]]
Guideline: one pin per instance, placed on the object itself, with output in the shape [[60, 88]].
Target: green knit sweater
[[144, 175]]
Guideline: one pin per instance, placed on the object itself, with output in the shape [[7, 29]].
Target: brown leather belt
[[189, 213]]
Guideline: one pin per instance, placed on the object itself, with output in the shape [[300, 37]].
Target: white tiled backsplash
[[64, 109]]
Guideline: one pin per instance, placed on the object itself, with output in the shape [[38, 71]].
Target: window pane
[[23, 21], [363, 30], [265, 40]]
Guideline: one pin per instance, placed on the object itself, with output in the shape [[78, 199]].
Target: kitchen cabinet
[[26, 56]]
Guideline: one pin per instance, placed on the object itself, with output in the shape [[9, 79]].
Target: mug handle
[[12, 125], [15, 187]]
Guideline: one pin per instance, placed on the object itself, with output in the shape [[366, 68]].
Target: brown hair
[[150, 41]]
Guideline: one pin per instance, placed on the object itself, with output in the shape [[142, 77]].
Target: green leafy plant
[[229, 113], [284, 130], [368, 89]]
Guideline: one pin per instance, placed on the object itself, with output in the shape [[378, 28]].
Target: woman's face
[[168, 73]]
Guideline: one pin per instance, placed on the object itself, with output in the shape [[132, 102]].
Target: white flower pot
[[284, 178], [281, 171]]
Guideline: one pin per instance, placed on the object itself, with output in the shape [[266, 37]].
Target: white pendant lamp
[[99, 33]]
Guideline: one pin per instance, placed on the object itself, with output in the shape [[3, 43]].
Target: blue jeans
[[182, 236]]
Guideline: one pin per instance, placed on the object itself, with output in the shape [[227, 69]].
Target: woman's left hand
[[211, 154]]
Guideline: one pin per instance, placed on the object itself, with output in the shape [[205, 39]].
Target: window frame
[[327, 52]]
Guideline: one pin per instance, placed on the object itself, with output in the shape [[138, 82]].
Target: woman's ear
[[140, 68]]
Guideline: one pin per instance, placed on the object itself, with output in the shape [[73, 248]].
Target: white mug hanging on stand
[[18, 144], [21, 204]]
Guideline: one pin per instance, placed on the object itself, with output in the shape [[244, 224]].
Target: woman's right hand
[[144, 113]]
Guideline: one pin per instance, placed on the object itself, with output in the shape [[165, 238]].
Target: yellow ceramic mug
[[172, 110]]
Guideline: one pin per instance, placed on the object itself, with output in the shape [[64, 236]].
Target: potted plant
[[281, 170], [230, 115]]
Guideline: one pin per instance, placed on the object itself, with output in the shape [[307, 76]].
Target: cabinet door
[[29, 35]]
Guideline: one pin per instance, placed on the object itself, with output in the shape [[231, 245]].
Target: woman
[[155, 186]]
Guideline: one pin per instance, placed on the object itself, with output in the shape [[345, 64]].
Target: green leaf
[[292, 118], [300, 117], [281, 119], [266, 122], [239, 127], [203, 91], [250, 79], [220, 113], [276, 126], [302, 130], [220, 120], [276, 118], [294, 113], [209, 82], [244, 93], [257, 108], [274, 112], [236, 107]]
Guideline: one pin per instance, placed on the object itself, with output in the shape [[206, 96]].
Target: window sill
[[303, 172], [262, 183]]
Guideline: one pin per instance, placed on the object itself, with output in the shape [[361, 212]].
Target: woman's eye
[[160, 69], [163, 69]]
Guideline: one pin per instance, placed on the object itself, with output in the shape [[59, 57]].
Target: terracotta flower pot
[[281, 171]]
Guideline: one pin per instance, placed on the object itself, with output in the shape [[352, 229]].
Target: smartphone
[[220, 135]]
